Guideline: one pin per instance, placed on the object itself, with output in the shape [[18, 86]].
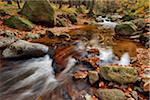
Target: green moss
[[10, 22], [18, 23], [119, 74]]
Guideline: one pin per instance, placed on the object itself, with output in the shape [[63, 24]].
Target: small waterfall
[[106, 56], [125, 60], [105, 22], [32, 78]]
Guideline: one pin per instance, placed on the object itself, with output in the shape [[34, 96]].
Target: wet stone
[[110, 94], [93, 76], [23, 48], [119, 74]]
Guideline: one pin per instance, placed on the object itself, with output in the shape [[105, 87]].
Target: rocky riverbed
[[96, 66]]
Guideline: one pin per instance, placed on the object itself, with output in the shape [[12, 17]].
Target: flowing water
[[31, 78]]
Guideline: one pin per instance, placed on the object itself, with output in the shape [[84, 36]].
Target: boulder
[[39, 11], [125, 29], [119, 74], [4, 42], [23, 48], [93, 76], [110, 94], [19, 23]]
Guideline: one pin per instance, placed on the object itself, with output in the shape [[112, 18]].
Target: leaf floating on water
[[92, 60]]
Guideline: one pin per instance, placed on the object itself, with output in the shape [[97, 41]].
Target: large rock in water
[[39, 11], [125, 29], [119, 74], [23, 48], [110, 94], [19, 23]]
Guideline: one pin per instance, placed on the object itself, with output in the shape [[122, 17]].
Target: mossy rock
[[110, 94], [119, 74], [39, 11], [72, 18], [19, 23], [60, 22], [125, 29]]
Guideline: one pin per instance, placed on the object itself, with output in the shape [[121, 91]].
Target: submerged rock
[[19, 23], [119, 74], [125, 29], [110, 94], [23, 48], [4, 42], [39, 11]]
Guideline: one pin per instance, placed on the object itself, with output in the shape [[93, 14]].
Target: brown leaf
[[80, 74]]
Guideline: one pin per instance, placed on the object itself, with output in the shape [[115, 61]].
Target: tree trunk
[[18, 3]]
